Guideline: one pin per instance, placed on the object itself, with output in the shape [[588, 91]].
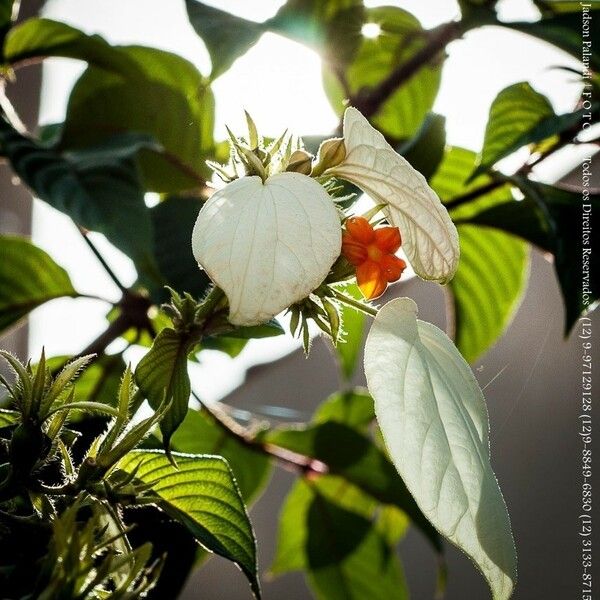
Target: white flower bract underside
[[433, 417], [267, 245], [429, 238]]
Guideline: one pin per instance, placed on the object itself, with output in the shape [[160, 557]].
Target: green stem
[[341, 297]]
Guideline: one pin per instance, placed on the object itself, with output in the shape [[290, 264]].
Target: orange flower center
[[373, 253]]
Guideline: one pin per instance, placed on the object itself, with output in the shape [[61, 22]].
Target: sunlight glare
[[371, 30]]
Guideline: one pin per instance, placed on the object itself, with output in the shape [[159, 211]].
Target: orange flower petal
[[360, 229], [392, 267], [370, 280], [388, 239], [354, 251]]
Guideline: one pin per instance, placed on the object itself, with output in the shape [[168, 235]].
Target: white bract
[[433, 417], [429, 237], [267, 245]]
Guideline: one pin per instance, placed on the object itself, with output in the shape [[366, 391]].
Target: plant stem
[[370, 102], [341, 297], [101, 259]]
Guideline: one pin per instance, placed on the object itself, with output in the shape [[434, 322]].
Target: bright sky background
[[279, 83]]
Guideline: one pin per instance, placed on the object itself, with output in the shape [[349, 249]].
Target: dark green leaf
[[97, 191], [198, 434], [426, 150], [8, 11], [326, 529], [402, 115], [354, 457], [162, 377], [235, 341], [551, 218], [492, 273], [201, 494], [41, 38], [519, 116], [349, 345], [28, 278], [226, 36], [170, 101], [173, 221], [564, 31], [353, 408]]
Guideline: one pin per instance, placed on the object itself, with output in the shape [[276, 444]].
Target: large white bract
[[429, 238], [267, 244], [433, 417]]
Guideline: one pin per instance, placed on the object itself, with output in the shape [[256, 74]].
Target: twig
[[101, 259]]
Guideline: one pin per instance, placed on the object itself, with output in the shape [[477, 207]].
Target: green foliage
[[169, 85], [84, 184], [39, 38], [403, 112], [328, 529], [353, 408], [348, 347], [492, 273], [200, 434], [201, 493], [519, 116], [28, 278], [162, 376], [550, 218]]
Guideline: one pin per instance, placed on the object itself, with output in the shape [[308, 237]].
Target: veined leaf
[[197, 434], [162, 377], [349, 345], [434, 421], [98, 191], [170, 101], [401, 36], [326, 528], [519, 116], [28, 278], [493, 270], [202, 495], [487, 288], [41, 38], [551, 218], [361, 463]]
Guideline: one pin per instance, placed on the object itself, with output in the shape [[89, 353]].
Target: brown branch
[[371, 100]]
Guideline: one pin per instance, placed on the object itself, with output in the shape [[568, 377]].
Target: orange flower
[[372, 252]]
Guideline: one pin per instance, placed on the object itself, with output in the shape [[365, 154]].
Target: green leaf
[[98, 191], [9, 417], [519, 116], [8, 13], [100, 380], [435, 425], [487, 287], [349, 345], [28, 278], [226, 36], [332, 28], [563, 30], [357, 459], [173, 220], [198, 434], [162, 377], [493, 269], [426, 150], [171, 102], [235, 341], [551, 218], [326, 529], [353, 408], [202, 495], [403, 113], [41, 38]]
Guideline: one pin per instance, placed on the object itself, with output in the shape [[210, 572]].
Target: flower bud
[[331, 153], [300, 162]]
